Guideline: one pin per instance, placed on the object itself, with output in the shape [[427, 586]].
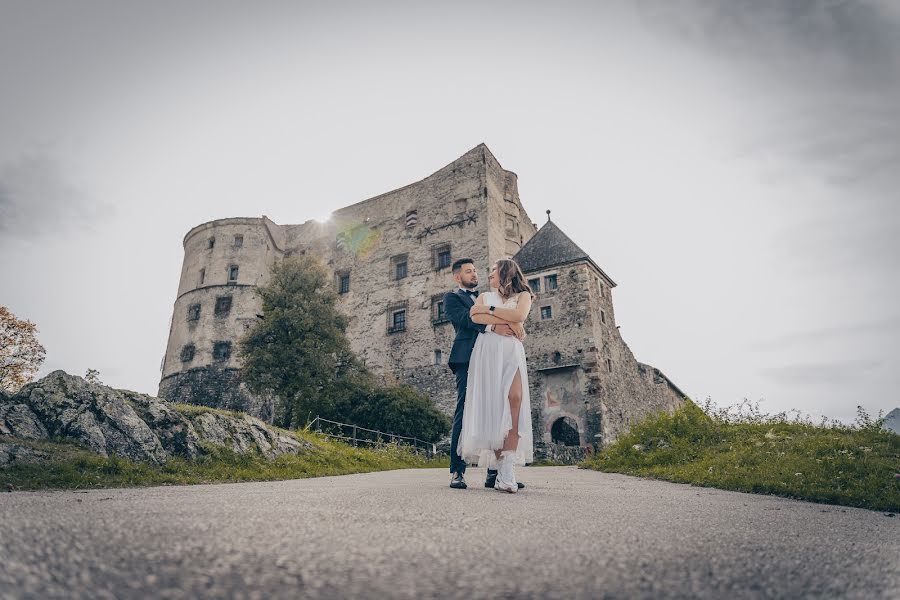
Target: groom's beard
[[471, 286]]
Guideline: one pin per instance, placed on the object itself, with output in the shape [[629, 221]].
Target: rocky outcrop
[[136, 426]]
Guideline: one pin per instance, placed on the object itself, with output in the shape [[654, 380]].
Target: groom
[[456, 306]]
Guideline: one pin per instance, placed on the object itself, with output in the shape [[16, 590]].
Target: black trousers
[[458, 465]]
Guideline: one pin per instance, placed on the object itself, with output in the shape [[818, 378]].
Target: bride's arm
[[509, 315], [483, 318]]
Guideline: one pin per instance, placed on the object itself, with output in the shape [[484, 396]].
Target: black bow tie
[[471, 292]]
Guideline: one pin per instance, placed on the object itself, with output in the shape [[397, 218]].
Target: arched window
[[565, 432]]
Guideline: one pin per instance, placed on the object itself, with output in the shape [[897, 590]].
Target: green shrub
[[744, 450]]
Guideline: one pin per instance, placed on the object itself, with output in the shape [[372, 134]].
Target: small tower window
[[441, 256], [546, 313], [396, 315], [398, 322], [600, 287], [193, 312], [399, 267], [232, 274], [609, 365], [187, 353], [550, 282], [535, 285], [438, 357], [238, 241], [223, 306], [343, 283], [202, 276], [438, 315], [210, 243], [602, 316], [221, 350], [412, 219]]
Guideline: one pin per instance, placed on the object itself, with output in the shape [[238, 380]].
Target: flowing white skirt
[[486, 417]]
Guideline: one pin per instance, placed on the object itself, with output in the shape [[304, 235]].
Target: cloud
[[37, 199], [889, 326], [834, 373]]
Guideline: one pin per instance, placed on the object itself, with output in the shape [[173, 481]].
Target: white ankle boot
[[506, 474]]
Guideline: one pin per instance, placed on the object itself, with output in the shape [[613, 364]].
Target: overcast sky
[[733, 166]]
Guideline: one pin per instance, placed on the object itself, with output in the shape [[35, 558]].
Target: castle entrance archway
[[564, 431]]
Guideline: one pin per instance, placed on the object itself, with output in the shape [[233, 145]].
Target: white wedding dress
[[486, 416]]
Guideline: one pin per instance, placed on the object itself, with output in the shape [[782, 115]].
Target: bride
[[496, 427]]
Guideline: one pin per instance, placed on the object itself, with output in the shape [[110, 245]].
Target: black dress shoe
[[492, 479], [458, 482]]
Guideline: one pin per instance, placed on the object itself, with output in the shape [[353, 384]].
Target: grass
[[77, 468], [748, 452]]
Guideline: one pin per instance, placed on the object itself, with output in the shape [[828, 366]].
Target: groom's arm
[[458, 313]]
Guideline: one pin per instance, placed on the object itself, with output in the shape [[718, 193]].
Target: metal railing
[[356, 435]]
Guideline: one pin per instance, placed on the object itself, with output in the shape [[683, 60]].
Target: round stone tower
[[224, 262]]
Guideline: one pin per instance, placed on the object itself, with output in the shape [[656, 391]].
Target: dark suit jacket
[[456, 306]]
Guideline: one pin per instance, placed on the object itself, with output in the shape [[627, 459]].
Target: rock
[[137, 426], [21, 454], [20, 421], [95, 415], [247, 434]]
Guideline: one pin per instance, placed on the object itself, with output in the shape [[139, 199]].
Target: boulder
[[137, 426], [21, 454]]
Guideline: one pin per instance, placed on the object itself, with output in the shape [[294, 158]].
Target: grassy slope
[[74, 468], [852, 466]]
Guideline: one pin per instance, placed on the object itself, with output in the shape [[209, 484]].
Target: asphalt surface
[[405, 534]]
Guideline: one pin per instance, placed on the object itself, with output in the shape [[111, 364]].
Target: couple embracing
[[492, 422]]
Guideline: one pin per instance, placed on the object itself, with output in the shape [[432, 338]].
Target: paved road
[[404, 534]]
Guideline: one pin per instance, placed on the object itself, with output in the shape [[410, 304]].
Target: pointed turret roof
[[550, 247]]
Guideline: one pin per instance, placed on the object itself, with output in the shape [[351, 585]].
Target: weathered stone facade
[[391, 258]]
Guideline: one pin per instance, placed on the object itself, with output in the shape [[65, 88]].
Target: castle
[[391, 256]]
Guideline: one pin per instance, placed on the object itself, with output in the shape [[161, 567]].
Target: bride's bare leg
[[515, 404]]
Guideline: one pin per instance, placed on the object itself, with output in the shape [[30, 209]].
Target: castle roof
[[550, 247]]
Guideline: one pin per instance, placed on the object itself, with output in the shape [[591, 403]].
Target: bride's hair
[[512, 280]]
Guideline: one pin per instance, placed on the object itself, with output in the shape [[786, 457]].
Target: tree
[[298, 351], [93, 376], [401, 410], [21, 354]]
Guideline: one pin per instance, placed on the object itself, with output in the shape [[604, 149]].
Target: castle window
[[546, 313], [557, 357], [412, 219], [438, 357], [202, 276], [232, 274], [210, 243], [187, 353], [602, 316], [550, 282], [438, 314], [512, 225], [396, 314], [535, 285], [440, 256], [221, 350], [399, 267], [343, 282], [223, 306], [609, 365], [238, 241], [193, 312], [600, 287], [398, 321]]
